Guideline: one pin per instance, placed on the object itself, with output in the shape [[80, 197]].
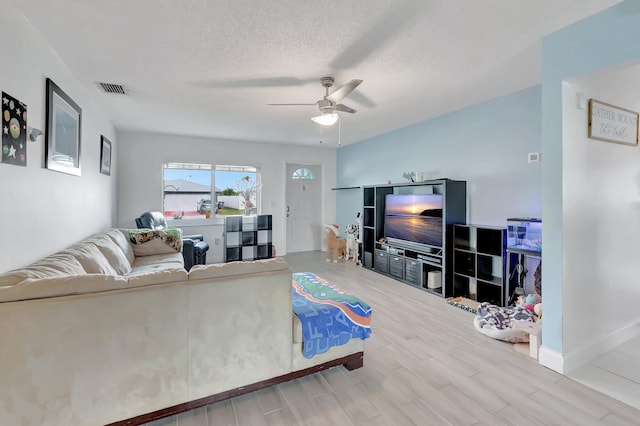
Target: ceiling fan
[[331, 102]]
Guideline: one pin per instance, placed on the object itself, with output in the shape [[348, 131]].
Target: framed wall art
[[14, 131], [105, 156], [64, 125], [612, 124]]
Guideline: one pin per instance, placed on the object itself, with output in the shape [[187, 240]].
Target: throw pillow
[[148, 242]]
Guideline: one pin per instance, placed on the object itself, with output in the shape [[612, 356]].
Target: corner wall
[[44, 211]]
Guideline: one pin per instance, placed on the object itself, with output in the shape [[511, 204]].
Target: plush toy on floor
[[336, 246], [351, 233]]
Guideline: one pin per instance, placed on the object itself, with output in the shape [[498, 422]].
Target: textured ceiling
[[210, 67]]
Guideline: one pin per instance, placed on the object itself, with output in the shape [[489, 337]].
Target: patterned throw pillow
[[148, 242]]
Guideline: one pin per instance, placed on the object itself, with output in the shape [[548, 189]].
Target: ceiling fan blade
[[291, 104], [344, 108], [361, 99], [399, 17], [250, 82], [342, 92]]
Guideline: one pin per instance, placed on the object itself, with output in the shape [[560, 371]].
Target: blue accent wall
[[485, 144]]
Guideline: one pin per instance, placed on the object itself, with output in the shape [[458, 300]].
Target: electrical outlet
[[217, 241]]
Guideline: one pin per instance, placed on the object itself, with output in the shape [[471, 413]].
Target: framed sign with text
[[612, 124]]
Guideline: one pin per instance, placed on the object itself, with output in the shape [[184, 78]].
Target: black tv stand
[[426, 267], [418, 268]]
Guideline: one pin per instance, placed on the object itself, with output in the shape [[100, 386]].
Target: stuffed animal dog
[[351, 234], [336, 246]]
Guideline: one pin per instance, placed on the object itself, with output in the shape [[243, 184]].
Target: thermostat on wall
[[533, 157]]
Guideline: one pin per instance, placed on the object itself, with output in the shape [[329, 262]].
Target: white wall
[[601, 215], [43, 211], [140, 160]]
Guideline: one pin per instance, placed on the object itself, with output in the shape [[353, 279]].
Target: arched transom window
[[303, 173]]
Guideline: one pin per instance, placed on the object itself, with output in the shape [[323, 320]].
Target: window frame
[[213, 194]]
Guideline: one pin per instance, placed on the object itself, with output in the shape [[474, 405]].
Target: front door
[[304, 208]]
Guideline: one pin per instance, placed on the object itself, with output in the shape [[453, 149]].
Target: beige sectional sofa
[[95, 334]]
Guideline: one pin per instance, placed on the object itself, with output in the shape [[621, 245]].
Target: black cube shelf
[[248, 237]]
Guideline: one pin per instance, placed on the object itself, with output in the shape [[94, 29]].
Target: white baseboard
[[551, 359], [564, 363], [596, 348]]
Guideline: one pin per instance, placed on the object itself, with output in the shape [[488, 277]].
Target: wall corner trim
[[551, 359]]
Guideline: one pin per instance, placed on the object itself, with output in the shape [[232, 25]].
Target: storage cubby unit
[[424, 264], [461, 286], [247, 238], [524, 255], [521, 281], [465, 262], [368, 227], [490, 293], [479, 263]]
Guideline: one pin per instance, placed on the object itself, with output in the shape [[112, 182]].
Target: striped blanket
[[329, 316]]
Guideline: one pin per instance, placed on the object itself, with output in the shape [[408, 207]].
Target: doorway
[[601, 345], [303, 209]]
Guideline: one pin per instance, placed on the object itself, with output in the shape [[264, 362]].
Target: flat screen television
[[414, 219]]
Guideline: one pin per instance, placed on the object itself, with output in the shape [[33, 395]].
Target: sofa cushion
[[113, 253], [175, 259], [37, 288], [12, 278], [219, 270], [16, 276], [56, 265], [65, 263], [121, 238], [91, 259], [159, 273]]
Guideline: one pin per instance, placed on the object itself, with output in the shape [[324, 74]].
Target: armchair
[[194, 248]]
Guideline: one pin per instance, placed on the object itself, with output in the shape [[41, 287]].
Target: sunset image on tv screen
[[414, 205], [414, 218]]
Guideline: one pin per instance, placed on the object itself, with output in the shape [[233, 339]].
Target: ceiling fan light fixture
[[326, 118]]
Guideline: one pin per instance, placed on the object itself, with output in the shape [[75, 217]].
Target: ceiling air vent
[[117, 89]]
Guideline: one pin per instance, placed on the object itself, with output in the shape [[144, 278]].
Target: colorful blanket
[[329, 316]]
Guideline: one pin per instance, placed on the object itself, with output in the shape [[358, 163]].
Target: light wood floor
[[424, 364], [615, 373]]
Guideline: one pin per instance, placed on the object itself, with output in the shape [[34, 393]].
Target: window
[[188, 190], [238, 189], [303, 173]]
